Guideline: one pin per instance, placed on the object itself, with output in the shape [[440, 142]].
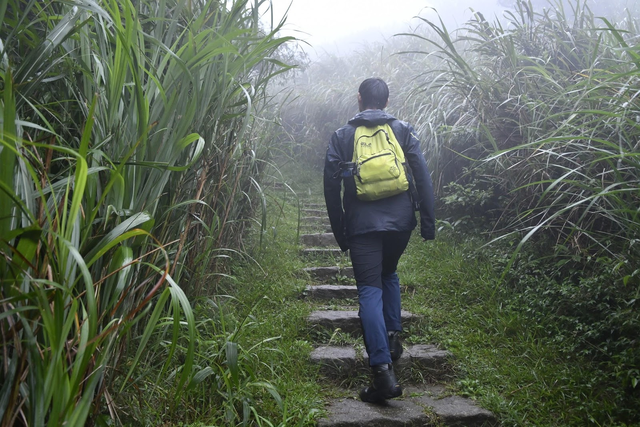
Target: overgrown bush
[[584, 307]]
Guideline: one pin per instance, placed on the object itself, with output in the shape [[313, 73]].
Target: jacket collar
[[371, 118]]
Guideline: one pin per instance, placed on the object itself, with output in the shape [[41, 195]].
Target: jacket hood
[[371, 118]]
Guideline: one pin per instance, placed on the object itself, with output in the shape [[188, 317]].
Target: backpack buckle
[[346, 169]]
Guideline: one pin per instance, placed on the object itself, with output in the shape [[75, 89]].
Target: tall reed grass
[[129, 164], [542, 110], [534, 123]]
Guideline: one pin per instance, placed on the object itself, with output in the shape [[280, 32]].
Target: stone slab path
[[341, 362], [425, 406], [331, 291], [345, 320], [424, 402]]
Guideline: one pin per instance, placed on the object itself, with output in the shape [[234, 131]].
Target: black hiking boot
[[395, 346], [384, 385]]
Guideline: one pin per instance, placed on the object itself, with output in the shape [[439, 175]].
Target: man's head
[[373, 94]]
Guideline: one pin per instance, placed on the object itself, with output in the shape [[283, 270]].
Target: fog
[[339, 27], [454, 13]]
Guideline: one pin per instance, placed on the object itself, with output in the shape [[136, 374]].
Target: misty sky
[[334, 24], [340, 26]]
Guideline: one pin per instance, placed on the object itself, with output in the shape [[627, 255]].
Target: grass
[[256, 308], [512, 365], [278, 284]]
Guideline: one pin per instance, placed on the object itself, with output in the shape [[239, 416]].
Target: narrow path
[[423, 369]]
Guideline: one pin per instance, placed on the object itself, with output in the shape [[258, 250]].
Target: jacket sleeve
[[415, 158], [332, 189]]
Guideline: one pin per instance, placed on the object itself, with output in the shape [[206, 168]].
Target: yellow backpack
[[379, 163]]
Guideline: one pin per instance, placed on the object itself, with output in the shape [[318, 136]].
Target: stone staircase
[[422, 370]]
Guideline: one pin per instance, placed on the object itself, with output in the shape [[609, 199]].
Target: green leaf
[[7, 161], [29, 238], [116, 235]]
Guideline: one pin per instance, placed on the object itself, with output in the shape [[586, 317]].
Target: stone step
[[320, 221], [315, 212], [331, 292], [315, 228], [315, 206], [346, 362], [323, 273], [322, 253], [323, 226], [345, 320], [312, 221], [421, 406], [319, 240]]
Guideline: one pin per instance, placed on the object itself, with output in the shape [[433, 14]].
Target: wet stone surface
[[420, 406], [321, 240], [315, 211], [322, 273], [345, 320], [331, 292], [432, 362], [313, 252]]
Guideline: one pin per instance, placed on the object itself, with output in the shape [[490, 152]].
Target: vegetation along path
[[472, 354]]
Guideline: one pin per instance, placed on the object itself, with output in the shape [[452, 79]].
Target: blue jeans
[[374, 257]]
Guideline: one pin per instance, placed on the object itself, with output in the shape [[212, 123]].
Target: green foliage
[[584, 305], [523, 350], [115, 116], [225, 384], [473, 205], [251, 349]]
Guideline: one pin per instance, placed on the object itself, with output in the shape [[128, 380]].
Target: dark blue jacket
[[394, 213]]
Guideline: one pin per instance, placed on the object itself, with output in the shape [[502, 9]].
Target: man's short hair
[[374, 93]]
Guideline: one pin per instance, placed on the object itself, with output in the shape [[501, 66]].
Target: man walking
[[377, 232]]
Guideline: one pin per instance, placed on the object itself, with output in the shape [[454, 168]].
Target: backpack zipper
[[380, 155], [375, 157]]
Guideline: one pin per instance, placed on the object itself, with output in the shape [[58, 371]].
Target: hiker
[[376, 232]]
